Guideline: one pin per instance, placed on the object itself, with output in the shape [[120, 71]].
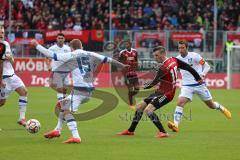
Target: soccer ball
[[33, 126]]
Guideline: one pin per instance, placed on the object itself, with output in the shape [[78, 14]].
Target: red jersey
[[167, 84], [167, 76], [130, 58]]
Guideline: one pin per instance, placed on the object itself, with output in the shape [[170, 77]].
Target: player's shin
[[72, 125], [218, 106], [154, 118], [22, 107], [137, 117], [178, 115], [60, 121]]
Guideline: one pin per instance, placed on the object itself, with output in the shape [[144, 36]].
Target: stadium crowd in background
[[127, 15]]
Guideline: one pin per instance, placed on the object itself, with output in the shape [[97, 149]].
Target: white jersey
[[84, 62], [83, 65], [196, 62], [58, 50], [7, 66]]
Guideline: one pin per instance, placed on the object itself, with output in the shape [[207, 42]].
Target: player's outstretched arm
[[188, 68], [42, 49], [155, 81], [106, 59]]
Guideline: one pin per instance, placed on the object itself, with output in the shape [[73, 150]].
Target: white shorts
[[75, 99], [201, 90], [60, 79], [12, 83]]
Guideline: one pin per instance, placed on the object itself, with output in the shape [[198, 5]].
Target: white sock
[[72, 125], [219, 106], [22, 103], [60, 121], [178, 115], [60, 96]]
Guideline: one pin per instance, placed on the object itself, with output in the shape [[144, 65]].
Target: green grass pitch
[[206, 134]]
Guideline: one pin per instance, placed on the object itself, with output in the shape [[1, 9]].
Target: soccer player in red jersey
[[167, 76], [129, 56]]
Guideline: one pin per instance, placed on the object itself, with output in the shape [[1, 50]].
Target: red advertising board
[[189, 36], [149, 39], [69, 35], [234, 36], [34, 72]]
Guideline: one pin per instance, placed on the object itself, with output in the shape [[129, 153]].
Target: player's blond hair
[[75, 44]]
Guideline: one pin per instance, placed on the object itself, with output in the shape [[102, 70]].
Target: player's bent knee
[[182, 102], [141, 106]]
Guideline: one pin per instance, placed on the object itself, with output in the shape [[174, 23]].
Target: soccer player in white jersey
[[59, 48], [82, 81], [190, 86], [12, 82]]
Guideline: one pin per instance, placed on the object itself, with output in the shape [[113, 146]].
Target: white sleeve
[[57, 57], [104, 59], [45, 51], [199, 59], [206, 68], [8, 49]]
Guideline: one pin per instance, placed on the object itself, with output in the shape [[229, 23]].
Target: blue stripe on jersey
[[55, 56], [22, 101], [193, 85], [89, 89], [71, 120], [105, 59], [7, 76], [80, 65]]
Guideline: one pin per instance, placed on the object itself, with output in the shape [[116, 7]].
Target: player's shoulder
[[122, 51], [179, 56], [66, 47], [193, 54], [53, 47], [133, 50], [6, 43]]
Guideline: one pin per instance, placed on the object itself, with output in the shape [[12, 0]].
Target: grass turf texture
[[208, 135]]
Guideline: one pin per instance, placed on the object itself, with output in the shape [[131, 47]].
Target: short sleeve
[[199, 59]]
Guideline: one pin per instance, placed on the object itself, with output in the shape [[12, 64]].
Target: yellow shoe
[[227, 113], [172, 126]]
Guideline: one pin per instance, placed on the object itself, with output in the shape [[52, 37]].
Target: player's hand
[[201, 81], [34, 42], [147, 85]]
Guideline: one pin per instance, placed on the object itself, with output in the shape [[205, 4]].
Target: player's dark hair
[[75, 44], [183, 42], [159, 48], [60, 34]]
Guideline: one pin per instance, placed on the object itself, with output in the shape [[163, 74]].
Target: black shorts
[[157, 100], [132, 82]]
